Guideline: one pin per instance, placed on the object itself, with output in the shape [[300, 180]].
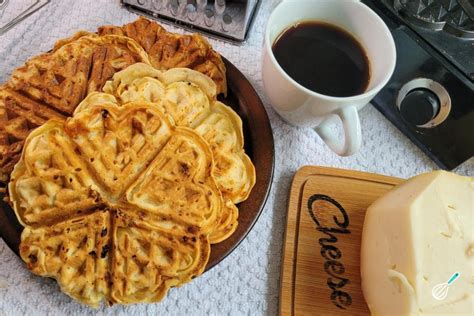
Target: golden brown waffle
[[118, 143], [110, 53], [18, 116], [75, 252], [169, 50], [51, 85], [180, 174], [61, 78], [120, 170], [149, 258], [189, 99], [54, 184]]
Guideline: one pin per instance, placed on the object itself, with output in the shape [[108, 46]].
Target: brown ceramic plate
[[258, 145]]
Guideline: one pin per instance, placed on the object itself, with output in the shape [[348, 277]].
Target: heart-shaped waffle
[[189, 99], [117, 203], [151, 256], [118, 143], [75, 252], [51, 181], [180, 174]]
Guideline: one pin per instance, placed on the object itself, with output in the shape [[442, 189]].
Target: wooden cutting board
[[320, 271]]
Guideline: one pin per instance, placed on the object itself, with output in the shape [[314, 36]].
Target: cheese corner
[[414, 238]]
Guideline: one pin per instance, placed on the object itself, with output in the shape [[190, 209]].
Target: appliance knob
[[419, 106], [424, 103]]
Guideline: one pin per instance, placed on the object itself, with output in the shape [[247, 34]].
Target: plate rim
[[269, 180], [7, 226]]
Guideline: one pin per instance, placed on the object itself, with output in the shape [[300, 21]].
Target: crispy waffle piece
[[50, 182], [111, 53], [18, 116], [189, 98], [75, 253], [179, 175], [169, 50], [118, 143], [58, 79], [161, 225], [150, 257], [61, 78]]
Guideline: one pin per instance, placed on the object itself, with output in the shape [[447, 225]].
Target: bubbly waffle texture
[[169, 50], [118, 203], [51, 85]]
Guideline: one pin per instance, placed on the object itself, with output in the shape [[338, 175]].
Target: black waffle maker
[[430, 96]]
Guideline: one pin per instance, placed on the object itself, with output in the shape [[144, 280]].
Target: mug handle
[[352, 133]]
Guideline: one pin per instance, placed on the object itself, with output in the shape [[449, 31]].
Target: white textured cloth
[[247, 281]]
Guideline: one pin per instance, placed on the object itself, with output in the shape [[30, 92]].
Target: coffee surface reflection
[[323, 58]]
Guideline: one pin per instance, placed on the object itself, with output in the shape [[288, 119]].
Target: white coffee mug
[[300, 106]]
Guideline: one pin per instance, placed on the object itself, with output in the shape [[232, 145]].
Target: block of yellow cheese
[[416, 237]]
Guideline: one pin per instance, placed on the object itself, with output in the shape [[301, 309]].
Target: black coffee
[[323, 58]]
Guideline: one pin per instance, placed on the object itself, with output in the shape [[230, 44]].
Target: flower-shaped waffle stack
[[117, 203], [188, 98]]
